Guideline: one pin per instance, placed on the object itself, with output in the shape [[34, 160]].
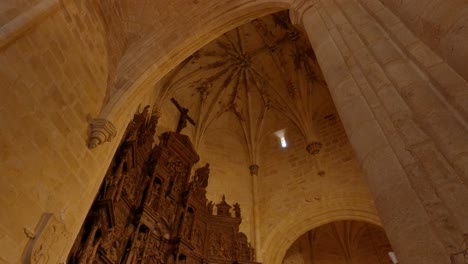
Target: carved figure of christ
[[183, 116]]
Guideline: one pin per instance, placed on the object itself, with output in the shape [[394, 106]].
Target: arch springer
[[298, 8]]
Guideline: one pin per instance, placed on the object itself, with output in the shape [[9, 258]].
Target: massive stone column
[[441, 24], [406, 135]]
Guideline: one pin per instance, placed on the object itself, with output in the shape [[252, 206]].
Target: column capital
[[298, 8], [314, 148], [253, 169]]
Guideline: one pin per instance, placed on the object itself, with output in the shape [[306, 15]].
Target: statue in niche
[[219, 246], [180, 168], [94, 251], [112, 242], [243, 248], [188, 224], [130, 185], [170, 164], [154, 194], [210, 207], [213, 252], [198, 235], [129, 189], [112, 254], [201, 176], [90, 246], [154, 252], [115, 181], [108, 180], [138, 248], [121, 175], [139, 121], [237, 210]]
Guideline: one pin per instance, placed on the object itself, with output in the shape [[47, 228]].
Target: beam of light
[[393, 257]]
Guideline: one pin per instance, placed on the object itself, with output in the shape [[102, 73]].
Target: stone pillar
[[405, 218], [440, 24], [256, 214], [88, 246]]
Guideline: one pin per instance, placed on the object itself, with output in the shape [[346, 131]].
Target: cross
[[183, 116]]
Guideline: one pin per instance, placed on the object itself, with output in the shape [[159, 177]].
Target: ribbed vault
[[259, 67]]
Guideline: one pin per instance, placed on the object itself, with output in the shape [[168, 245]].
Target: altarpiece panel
[[148, 211]]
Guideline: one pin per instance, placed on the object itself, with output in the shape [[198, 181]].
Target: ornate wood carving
[[148, 211]]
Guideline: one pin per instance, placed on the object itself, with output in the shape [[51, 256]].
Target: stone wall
[[53, 80], [226, 152], [295, 186]]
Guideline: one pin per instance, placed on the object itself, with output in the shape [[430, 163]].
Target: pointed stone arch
[[154, 62], [298, 223]]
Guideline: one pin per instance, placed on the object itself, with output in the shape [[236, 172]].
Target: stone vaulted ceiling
[[265, 67]]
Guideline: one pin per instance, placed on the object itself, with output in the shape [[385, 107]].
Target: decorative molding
[[15, 28], [102, 130], [253, 169], [297, 10], [314, 148], [49, 235]]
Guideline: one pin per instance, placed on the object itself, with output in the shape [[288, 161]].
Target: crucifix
[[183, 116]]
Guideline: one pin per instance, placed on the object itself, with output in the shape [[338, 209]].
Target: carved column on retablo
[[256, 213]]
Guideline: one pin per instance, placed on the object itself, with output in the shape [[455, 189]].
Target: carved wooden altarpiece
[[148, 211]]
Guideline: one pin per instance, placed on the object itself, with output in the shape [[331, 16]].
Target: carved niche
[[148, 211]]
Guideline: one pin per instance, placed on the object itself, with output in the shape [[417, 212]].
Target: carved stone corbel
[[314, 148], [253, 169], [102, 130], [45, 240], [297, 10]]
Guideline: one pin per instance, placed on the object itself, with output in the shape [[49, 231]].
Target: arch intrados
[[117, 111], [279, 241], [129, 97]]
